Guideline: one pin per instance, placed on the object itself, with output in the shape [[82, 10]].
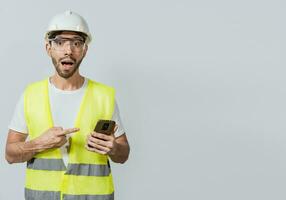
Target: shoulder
[[100, 87], [37, 84]]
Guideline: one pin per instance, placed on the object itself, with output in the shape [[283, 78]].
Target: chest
[[65, 107]]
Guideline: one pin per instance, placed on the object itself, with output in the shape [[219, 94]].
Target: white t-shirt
[[64, 108]]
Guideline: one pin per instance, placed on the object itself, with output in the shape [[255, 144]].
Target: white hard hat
[[68, 21]]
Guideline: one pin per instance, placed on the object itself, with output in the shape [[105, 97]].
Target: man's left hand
[[102, 143]]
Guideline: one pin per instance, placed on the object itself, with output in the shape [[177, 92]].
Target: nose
[[68, 48]]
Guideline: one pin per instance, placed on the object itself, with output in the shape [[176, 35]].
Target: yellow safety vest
[[88, 175]]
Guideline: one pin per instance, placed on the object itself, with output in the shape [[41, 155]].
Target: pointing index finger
[[68, 131]]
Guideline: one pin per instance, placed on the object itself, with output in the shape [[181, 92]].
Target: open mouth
[[67, 64]]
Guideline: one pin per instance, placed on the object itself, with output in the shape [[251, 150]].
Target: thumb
[[115, 128]]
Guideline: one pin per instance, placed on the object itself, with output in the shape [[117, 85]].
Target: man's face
[[66, 53]]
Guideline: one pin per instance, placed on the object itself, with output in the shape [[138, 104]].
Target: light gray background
[[200, 86]]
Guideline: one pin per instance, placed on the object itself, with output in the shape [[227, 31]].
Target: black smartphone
[[105, 126]]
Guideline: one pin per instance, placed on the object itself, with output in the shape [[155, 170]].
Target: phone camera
[[105, 126]]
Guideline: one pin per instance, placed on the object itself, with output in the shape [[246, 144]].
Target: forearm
[[121, 153], [18, 152]]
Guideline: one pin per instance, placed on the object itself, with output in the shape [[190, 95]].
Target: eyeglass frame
[[73, 48]]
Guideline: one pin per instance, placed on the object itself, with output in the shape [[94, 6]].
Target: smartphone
[[105, 126]]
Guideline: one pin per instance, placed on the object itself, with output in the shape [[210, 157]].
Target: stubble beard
[[63, 74]]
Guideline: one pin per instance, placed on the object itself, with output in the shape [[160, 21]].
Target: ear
[[85, 50], [48, 48]]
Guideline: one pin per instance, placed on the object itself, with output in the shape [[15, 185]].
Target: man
[[66, 158]]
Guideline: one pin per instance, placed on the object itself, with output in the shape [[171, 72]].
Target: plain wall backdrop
[[200, 87]]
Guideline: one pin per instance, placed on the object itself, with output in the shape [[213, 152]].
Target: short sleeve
[[116, 117], [18, 122]]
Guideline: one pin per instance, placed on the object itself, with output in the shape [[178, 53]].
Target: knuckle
[[110, 144]]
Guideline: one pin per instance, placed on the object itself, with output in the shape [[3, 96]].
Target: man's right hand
[[20, 150], [54, 137]]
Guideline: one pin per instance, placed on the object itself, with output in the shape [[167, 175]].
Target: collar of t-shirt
[[57, 90]]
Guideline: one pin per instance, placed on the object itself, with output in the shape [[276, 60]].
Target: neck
[[72, 83]]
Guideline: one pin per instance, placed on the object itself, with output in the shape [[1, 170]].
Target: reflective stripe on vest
[[89, 197], [47, 195], [74, 169], [87, 172], [41, 195], [46, 164]]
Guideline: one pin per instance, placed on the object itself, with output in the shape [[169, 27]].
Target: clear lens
[[60, 44]]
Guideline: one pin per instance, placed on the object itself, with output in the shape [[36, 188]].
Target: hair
[[53, 34]]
